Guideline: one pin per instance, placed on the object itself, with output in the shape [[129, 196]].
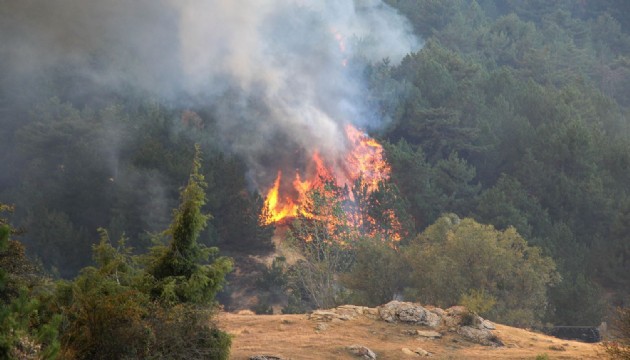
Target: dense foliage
[[153, 306], [619, 347], [455, 260], [513, 114]]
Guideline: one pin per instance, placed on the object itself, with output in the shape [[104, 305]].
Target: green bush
[[478, 301], [120, 309], [619, 347], [186, 332], [455, 255]]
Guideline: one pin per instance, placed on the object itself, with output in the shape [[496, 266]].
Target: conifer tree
[[178, 268]]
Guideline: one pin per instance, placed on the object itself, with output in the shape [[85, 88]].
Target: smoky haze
[[278, 74]]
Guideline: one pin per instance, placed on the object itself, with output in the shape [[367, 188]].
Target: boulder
[[486, 324], [407, 351], [428, 334], [362, 352], [351, 311], [479, 336], [417, 352], [408, 312], [327, 315]]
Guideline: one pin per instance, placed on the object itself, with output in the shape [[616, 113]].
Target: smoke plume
[[280, 75]]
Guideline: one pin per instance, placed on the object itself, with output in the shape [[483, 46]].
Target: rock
[[415, 352], [265, 357], [408, 352], [351, 311], [321, 327], [439, 312], [457, 316], [408, 312], [421, 352], [486, 324], [362, 351], [428, 334], [483, 337], [456, 311], [453, 316], [327, 315]]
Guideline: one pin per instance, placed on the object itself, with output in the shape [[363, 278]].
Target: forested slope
[[512, 114]]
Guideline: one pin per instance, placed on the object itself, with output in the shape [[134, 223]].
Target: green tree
[[619, 347], [177, 268], [378, 274], [122, 309], [455, 257], [508, 204], [23, 330]]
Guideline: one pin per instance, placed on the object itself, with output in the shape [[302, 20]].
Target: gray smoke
[[278, 74]]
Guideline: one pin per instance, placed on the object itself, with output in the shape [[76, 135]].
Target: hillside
[[307, 337]]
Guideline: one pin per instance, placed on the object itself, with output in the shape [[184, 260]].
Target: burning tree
[[359, 178], [323, 237]]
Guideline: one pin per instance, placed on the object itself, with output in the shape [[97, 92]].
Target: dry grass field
[[297, 337]]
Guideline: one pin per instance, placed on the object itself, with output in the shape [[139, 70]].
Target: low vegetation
[[152, 306]]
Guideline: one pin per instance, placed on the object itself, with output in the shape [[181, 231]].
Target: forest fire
[[364, 159]]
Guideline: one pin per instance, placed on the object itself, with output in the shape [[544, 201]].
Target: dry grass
[[296, 337]]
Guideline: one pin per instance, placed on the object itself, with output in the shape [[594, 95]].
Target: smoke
[[284, 71], [280, 75]]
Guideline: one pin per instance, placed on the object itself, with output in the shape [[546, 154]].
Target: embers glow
[[364, 158]]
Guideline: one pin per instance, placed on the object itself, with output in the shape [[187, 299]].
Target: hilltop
[[324, 335]]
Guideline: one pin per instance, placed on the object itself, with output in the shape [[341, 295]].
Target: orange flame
[[364, 158], [274, 210]]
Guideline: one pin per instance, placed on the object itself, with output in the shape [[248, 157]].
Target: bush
[[378, 273], [24, 332], [478, 301], [186, 332], [620, 347], [455, 255], [122, 310]]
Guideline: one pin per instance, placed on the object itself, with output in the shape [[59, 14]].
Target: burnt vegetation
[[508, 137]]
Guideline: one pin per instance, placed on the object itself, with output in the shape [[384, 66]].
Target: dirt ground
[[297, 337]]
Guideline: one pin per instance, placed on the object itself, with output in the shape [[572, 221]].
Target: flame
[[364, 158], [274, 210]]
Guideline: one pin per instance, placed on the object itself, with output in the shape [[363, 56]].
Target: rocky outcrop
[[428, 334], [327, 315], [343, 312], [479, 336], [362, 352], [456, 319], [395, 311], [415, 352]]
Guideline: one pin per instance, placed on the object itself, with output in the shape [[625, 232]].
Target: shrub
[[478, 301], [619, 348], [455, 255], [186, 332]]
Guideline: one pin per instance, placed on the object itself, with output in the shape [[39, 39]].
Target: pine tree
[[180, 269]]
